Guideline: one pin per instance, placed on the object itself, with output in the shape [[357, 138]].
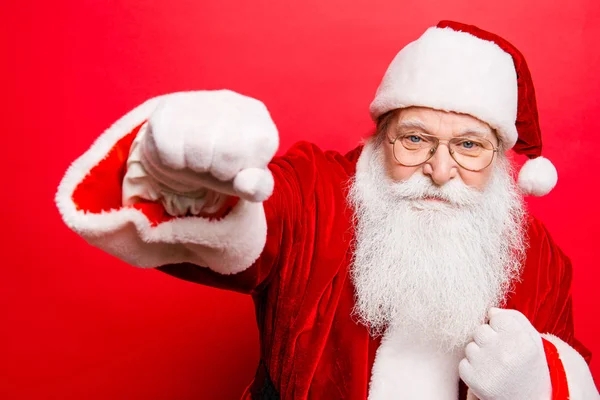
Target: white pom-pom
[[537, 177]]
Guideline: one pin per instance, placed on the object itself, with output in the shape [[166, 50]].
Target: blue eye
[[414, 138], [468, 144]]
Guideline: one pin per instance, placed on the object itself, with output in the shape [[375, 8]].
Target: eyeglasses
[[470, 152]]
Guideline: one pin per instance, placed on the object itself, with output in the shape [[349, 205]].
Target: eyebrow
[[474, 131], [411, 124], [417, 124]]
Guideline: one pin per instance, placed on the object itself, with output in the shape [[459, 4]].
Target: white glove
[[216, 140], [506, 360]]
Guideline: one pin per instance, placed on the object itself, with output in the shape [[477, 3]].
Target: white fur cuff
[[226, 246]]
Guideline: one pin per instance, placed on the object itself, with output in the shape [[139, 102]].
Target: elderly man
[[405, 269]]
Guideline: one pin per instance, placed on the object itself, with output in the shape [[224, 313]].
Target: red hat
[[461, 68]]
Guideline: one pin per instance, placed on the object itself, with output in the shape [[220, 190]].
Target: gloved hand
[[200, 147], [506, 360]]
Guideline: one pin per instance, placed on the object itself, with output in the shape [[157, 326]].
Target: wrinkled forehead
[[439, 123]]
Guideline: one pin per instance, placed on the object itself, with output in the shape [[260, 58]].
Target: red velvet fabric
[[101, 190], [300, 285]]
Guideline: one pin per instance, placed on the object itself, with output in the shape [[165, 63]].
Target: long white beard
[[433, 269]]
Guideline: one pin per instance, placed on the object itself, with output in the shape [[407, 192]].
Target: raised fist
[[218, 140]]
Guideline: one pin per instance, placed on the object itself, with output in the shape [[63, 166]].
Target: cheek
[[396, 171], [477, 180], [400, 173]]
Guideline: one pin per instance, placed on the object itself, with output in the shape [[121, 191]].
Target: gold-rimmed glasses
[[472, 152]]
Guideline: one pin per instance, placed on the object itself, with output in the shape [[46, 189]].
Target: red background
[[79, 324]]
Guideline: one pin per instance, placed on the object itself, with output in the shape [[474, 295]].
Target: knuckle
[[262, 148], [465, 369], [227, 155], [509, 358], [471, 350], [198, 152], [226, 164], [484, 334], [505, 323], [224, 171]]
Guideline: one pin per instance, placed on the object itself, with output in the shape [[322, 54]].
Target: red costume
[[310, 345], [293, 252]]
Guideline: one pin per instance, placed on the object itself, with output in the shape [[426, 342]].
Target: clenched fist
[[506, 360], [217, 140]]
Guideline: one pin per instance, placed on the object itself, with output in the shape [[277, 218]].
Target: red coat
[[300, 284], [303, 294]]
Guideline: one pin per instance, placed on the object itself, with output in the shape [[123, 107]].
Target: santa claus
[[407, 268]]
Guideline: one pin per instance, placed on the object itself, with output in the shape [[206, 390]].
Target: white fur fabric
[[407, 368], [227, 246], [453, 71]]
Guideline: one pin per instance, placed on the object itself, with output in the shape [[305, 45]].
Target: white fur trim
[[579, 378], [537, 177], [227, 246], [453, 71], [405, 368]]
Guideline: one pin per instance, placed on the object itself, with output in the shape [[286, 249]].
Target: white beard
[[433, 269]]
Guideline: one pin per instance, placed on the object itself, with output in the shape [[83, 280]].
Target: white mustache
[[420, 187]]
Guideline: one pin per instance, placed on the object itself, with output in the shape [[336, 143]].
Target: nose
[[441, 168]]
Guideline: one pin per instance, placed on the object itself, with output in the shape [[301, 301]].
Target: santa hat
[[461, 68]]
